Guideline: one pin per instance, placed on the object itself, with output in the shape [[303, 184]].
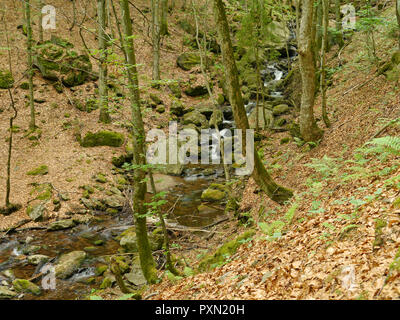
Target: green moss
[[285, 140], [6, 79], [101, 269], [24, 86], [22, 285], [223, 252], [107, 283], [396, 203], [41, 170], [103, 138], [379, 225]]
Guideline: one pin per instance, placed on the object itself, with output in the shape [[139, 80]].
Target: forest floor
[[324, 251]]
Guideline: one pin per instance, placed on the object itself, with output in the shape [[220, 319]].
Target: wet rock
[[212, 195], [129, 243], [37, 259], [26, 286], [6, 293], [61, 225], [30, 249], [69, 263]]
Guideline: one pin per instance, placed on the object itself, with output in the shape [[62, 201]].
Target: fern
[[388, 143]]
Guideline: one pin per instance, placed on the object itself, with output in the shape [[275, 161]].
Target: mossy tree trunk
[[398, 18], [155, 28], [339, 30], [325, 14], [139, 210], [308, 126], [40, 5], [260, 174], [32, 123], [103, 69], [164, 18], [10, 142]]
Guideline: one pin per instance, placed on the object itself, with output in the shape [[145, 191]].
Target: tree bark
[[103, 89], [308, 127], [32, 123], [325, 14], [139, 210], [260, 174], [155, 9], [398, 17]]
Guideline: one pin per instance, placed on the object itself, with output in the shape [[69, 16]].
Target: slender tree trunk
[[40, 5], [164, 18], [308, 127], [10, 141], [139, 210], [155, 9], [398, 17], [32, 123], [325, 13], [338, 19], [103, 89], [260, 174]]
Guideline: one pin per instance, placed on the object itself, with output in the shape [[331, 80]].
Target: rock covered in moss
[[57, 62], [196, 118], [6, 79], [36, 213], [280, 109], [37, 259], [128, 241], [69, 263], [103, 138], [216, 192], [26, 286], [226, 250], [61, 225], [41, 170], [186, 61], [196, 91]]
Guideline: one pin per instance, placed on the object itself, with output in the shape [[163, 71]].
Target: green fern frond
[[390, 143]]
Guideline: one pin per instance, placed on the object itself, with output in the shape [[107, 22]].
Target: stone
[[186, 61], [196, 91], [37, 259], [129, 243], [102, 138], [160, 109], [280, 109], [26, 286], [136, 278], [6, 293], [114, 201], [69, 263], [36, 213], [212, 195], [163, 182], [61, 225], [196, 118], [177, 108]]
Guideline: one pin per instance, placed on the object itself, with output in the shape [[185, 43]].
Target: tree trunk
[[139, 210], [308, 127], [325, 13], [155, 9], [164, 18], [339, 37], [32, 123], [398, 17], [103, 89], [260, 174], [40, 5]]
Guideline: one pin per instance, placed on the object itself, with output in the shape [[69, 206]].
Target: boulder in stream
[[6, 293], [26, 286], [69, 263]]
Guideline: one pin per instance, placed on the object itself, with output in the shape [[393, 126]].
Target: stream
[[15, 248]]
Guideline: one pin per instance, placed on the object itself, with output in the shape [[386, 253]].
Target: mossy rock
[[212, 261], [39, 171], [280, 109], [36, 212], [196, 91], [396, 58], [102, 138], [186, 61], [213, 195], [175, 89], [58, 63], [25, 286], [196, 118], [396, 203], [177, 108], [6, 79]]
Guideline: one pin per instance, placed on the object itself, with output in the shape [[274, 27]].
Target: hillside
[[337, 238]]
